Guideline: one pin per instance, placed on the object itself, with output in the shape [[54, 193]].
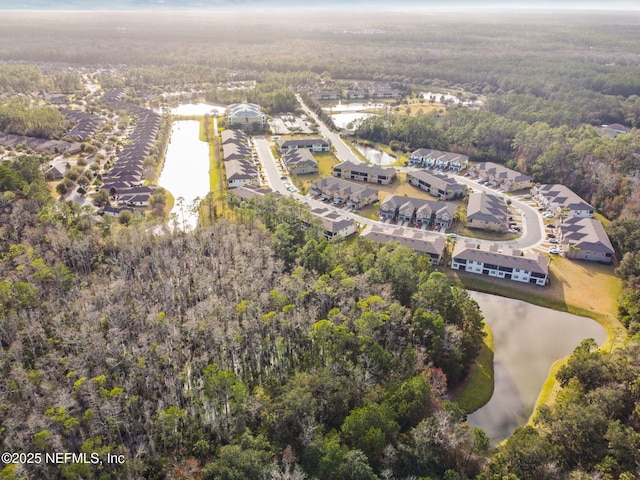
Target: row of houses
[[378, 93], [417, 211], [562, 201], [582, 236], [427, 158], [40, 144], [237, 157], [584, 239], [125, 179], [500, 176], [364, 172], [342, 192], [86, 124], [437, 185]]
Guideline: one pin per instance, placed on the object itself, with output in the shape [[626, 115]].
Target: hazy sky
[[288, 4]]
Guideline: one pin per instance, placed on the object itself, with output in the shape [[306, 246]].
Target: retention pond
[[528, 339], [186, 171]]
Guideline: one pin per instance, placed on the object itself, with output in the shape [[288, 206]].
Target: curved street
[[532, 225]]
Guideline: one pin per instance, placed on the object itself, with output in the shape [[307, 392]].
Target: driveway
[[532, 224]]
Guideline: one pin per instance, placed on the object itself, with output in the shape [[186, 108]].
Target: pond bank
[[528, 340]]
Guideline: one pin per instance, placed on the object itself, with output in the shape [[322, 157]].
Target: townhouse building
[[364, 172], [500, 262], [436, 184]]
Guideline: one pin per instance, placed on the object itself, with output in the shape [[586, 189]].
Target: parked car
[[553, 240], [511, 230], [551, 235], [554, 251]]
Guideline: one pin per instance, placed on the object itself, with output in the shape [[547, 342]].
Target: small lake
[[352, 107], [186, 170], [374, 156], [342, 120], [528, 340]]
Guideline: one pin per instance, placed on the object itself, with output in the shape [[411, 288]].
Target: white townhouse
[[500, 262], [562, 200], [426, 157]]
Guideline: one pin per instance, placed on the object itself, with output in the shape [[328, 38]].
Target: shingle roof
[[366, 168], [586, 234], [506, 257], [419, 240], [487, 208], [563, 196]]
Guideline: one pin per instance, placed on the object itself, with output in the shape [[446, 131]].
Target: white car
[[554, 251]]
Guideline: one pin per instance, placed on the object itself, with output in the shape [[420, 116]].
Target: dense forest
[[243, 349], [255, 348]]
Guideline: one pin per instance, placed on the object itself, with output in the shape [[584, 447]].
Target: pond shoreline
[[529, 340]]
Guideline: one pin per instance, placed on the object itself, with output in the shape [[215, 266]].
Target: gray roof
[[393, 202], [505, 257], [299, 158], [366, 168], [586, 234], [251, 191], [303, 142], [438, 155], [563, 196], [244, 110], [332, 221], [419, 240], [437, 180], [234, 136], [487, 207], [334, 184], [502, 172]]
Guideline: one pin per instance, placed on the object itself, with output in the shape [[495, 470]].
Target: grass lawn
[[477, 391], [326, 162], [415, 108], [461, 229]]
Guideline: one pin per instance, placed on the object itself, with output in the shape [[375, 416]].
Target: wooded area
[[255, 348]]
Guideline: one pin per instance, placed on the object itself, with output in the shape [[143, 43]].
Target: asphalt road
[[532, 224], [342, 151]]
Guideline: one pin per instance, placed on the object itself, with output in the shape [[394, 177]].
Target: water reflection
[[186, 171], [528, 340], [376, 157]]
